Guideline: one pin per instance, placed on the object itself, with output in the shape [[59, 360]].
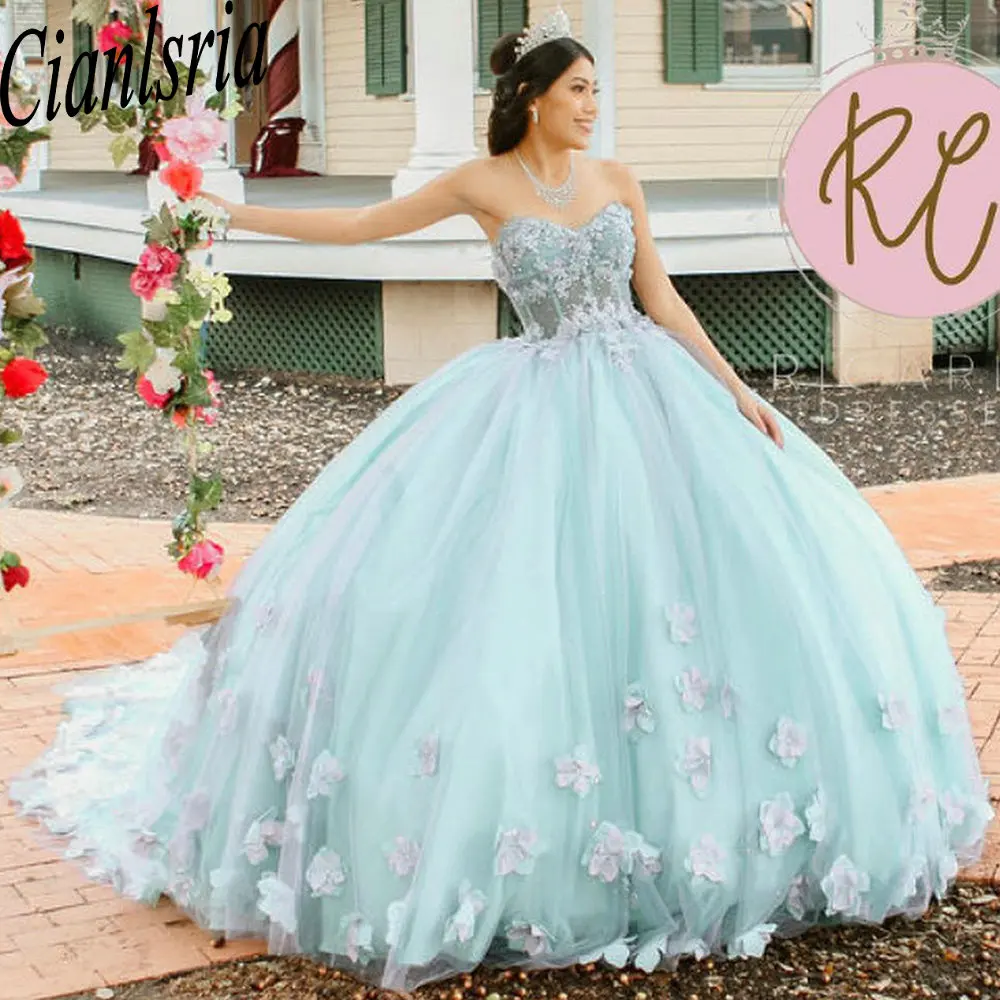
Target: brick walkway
[[60, 933]]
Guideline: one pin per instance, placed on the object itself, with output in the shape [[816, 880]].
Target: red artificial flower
[[203, 561], [157, 400], [155, 270], [22, 377], [179, 417], [113, 35], [15, 576], [183, 178], [13, 252]]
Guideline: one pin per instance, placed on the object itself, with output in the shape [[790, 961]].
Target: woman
[[579, 650]]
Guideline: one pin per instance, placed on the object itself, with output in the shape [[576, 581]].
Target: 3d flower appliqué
[[577, 772], [705, 858], [638, 714], [461, 925], [952, 719], [895, 711], [325, 773], [276, 900], [788, 743], [531, 938], [516, 851], [779, 824], [326, 874], [797, 898], [403, 857], [282, 758], [683, 623], [615, 954], [844, 887], [696, 762], [357, 937], [727, 700], [694, 689], [255, 846], [195, 812], [613, 852], [753, 942], [922, 800], [649, 954], [427, 752], [227, 705], [816, 816], [395, 915], [952, 809]]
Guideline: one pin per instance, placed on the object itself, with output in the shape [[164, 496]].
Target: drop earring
[[534, 115]]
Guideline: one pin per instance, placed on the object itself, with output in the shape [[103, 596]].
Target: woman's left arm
[[665, 306]]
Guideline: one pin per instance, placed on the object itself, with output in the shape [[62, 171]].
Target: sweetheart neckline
[[494, 243]]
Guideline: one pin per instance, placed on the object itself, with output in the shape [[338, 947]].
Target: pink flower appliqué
[[155, 270], [198, 135]]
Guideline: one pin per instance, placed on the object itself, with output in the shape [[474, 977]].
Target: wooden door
[[254, 97]]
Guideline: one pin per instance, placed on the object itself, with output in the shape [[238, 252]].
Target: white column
[[6, 26], [38, 154], [443, 78], [599, 37], [312, 140], [185, 19]]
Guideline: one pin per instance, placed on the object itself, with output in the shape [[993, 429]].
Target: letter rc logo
[[890, 186]]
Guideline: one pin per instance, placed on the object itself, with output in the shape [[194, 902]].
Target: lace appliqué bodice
[[566, 281]]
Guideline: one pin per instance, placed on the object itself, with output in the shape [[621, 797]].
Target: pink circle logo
[[891, 184]]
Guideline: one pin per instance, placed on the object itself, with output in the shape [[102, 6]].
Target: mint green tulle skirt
[[561, 659]]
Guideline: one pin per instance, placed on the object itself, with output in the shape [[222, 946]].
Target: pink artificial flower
[[156, 269], [209, 414], [8, 179], [113, 35], [203, 561], [197, 136], [157, 400]]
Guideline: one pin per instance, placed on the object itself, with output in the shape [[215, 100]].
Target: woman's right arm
[[450, 193]]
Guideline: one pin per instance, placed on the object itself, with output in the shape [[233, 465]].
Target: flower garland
[[20, 333], [180, 293]]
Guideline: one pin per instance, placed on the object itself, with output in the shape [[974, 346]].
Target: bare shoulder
[[622, 179]]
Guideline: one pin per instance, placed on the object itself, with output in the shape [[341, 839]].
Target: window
[[495, 18], [385, 47], [768, 33], [984, 29]]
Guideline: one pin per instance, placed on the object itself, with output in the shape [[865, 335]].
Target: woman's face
[[568, 109]]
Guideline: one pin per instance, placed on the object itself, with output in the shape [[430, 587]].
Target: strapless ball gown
[[561, 659]]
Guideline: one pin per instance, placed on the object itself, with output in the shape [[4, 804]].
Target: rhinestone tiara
[[556, 25]]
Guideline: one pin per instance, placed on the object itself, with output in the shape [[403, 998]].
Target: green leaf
[[119, 119], [93, 12], [10, 435], [28, 337], [205, 493], [139, 353], [122, 147]]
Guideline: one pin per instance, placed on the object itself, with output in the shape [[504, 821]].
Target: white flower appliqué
[[952, 719], [357, 937], [816, 816], [516, 850], [325, 874], [282, 758], [615, 954], [428, 749], [779, 825], [844, 885], [727, 700], [753, 942], [696, 762], [788, 743], [227, 705], [461, 925], [705, 858], [326, 772], [694, 689], [395, 915], [638, 714], [277, 901], [527, 937], [682, 623], [952, 809], [613, 852], [895, 711], [797, 899], [577, 772], [404, 857]]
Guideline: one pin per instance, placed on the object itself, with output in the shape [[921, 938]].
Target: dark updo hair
[[520, 81]]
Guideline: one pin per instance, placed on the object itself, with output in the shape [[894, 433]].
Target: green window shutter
[[495, 18], [83, 41], [692, 43], [385, 46], [947, 16], [879, 21]]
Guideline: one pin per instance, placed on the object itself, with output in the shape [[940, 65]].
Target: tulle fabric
[[560, 659]]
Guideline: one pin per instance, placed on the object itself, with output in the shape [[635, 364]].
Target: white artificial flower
[[788, 743], [577, 772], [162, 374], [277, 901], [704, 859], [326, 772], [844, 886], [895, 711], [682, 623], [638, 714], [282, 758], [696, 763], [326, 874], [694, 689], [779, 825], [404, 857], [461, 925], [11, 482], [816, 816], [515, 852]]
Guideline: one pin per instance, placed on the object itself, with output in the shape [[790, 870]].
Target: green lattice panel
[[292, 324], [750, 317], [973, 330]]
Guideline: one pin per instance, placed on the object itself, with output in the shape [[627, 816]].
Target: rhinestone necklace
[[559, 196]]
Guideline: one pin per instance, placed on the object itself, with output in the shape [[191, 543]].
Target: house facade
[[697, 96]]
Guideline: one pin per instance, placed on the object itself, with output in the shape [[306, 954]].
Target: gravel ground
[[953, 951], [92, 445]]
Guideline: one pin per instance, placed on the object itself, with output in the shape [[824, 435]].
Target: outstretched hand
[[760, 415]]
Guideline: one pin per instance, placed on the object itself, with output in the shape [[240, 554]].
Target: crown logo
[[556, 25], [913, 34]]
